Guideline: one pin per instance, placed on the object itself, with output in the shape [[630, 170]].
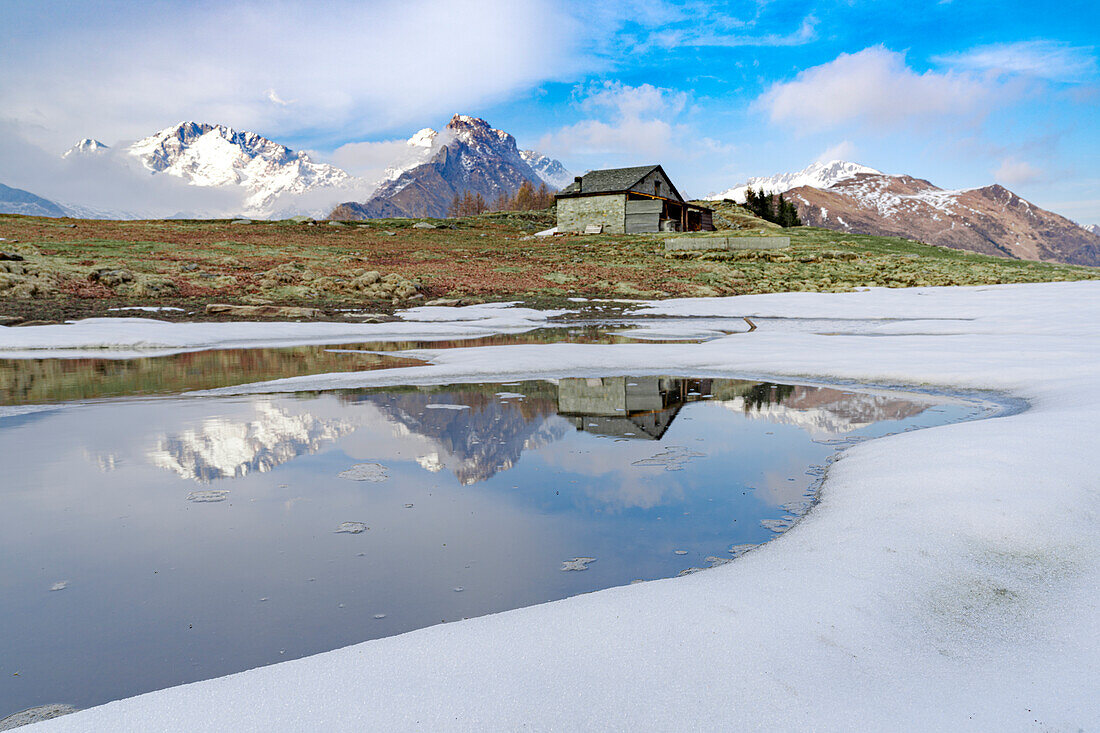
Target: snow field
[[947, 580]]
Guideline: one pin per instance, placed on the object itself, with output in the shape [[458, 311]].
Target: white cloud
[[844, 150], [369, 159], [1042, 59], [698, 35], [636, 121], [1016, 172], [353, 68], [875, 88], [274, 97]]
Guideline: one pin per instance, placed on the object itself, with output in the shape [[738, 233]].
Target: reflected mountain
[[822, 412], [478, 430], [223, 448]]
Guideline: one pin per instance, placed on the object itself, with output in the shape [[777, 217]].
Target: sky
[[960, 92]]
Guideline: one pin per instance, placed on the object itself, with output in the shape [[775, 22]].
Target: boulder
[[110, 277], [423, 225]]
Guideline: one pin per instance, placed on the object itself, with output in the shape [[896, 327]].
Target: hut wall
[[643, 216], [647, 185], [574, 214]]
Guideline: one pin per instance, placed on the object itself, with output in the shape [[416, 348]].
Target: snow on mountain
[[991, 220], [551, 171], [467, 156], [1092, 229], [817, 175], [217, 155], [420, 149], [222, 448], [87, 146]]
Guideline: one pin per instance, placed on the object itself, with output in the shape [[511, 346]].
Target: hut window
[[656, 188]]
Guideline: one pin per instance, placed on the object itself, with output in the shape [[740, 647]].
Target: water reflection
[[222, 448], [496, 426], [227, 533], [38, 381]]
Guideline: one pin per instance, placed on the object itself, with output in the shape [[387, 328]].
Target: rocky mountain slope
[[18, 201], [991, 220], [216, 155], [468, 155], [818, 175]]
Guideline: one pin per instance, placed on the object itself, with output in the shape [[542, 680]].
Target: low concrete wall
[[712, 242]]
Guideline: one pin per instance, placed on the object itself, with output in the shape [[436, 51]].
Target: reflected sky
[[195, 537]]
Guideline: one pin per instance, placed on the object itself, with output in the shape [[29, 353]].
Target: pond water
[[152, 541]]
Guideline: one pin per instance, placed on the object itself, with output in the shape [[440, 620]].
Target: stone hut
[[628, 200]]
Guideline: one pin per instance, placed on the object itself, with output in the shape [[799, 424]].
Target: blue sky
[[961, 93]]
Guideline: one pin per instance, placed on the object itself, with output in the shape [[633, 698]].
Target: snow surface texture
[[129, 337], [818, 175], [947, 580]]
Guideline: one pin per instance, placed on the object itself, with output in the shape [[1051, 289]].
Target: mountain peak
[[87, 146], [817, 175], [468, 156], [218, 155]]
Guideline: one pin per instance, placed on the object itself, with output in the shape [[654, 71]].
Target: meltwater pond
[[147, 542]]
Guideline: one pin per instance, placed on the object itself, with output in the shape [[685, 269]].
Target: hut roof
[[610, 180]]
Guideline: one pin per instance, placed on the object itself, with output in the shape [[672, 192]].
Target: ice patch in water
[[680, 552], [739, 550], [445, 406], [779, 525], [379, 616], [60, 585], [35, 715], [510, 395], [207, 497], [577, 563], [365, 472], [673, 458], [352, 527]]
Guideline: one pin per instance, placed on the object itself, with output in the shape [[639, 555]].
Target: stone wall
[[574, 214]]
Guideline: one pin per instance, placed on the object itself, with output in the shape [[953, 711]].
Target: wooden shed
[[628, 200]]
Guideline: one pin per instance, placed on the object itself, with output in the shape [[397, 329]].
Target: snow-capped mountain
[[827, 413], [818, 175], [87, 146], [991, 219], [419, 150], [548, 169], [1092, 229], [216, 155], [468, 155], [221, 448]]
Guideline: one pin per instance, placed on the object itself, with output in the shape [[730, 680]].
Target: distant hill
[[18, 201], [991, 220], [468, 155], [850, 197]]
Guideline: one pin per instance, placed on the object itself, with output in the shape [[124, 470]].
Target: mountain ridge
[[467, 156], [989, 219], [218, 155]]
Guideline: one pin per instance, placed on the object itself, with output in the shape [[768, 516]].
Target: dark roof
[[610, 180]]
